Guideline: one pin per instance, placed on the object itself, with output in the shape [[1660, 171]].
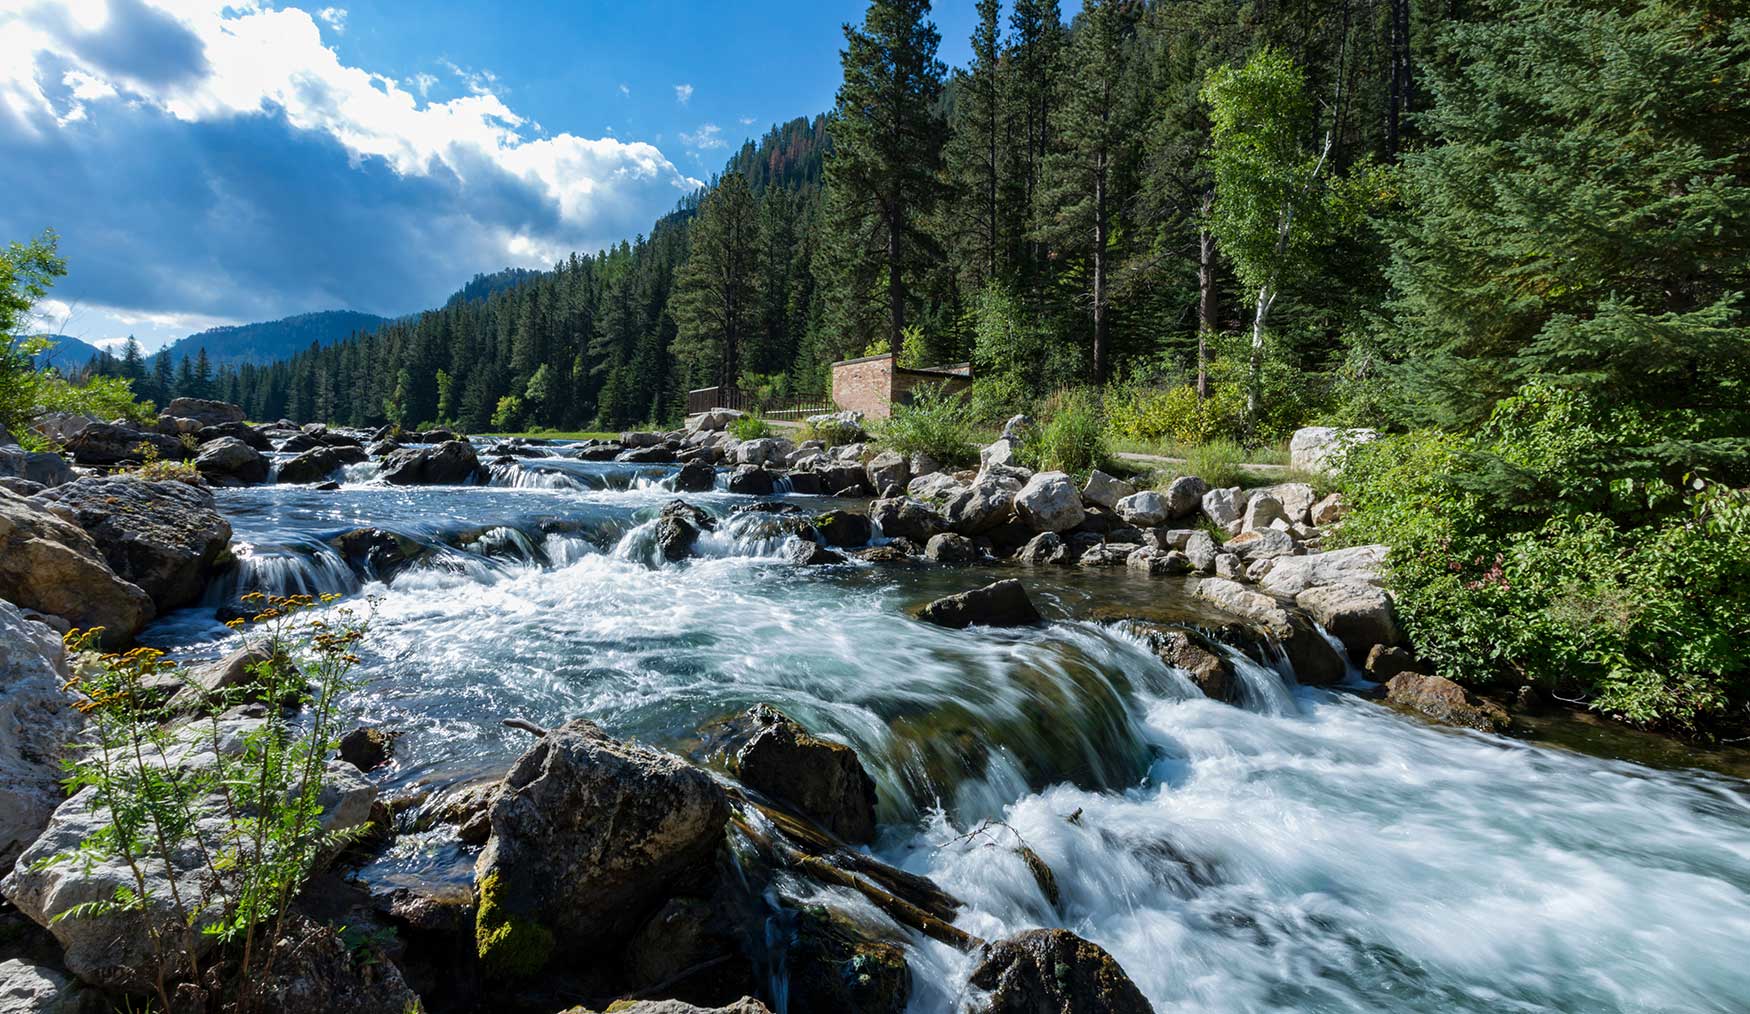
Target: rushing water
[[1308, 851]]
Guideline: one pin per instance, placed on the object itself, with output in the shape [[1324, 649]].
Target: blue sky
[[209, 163]]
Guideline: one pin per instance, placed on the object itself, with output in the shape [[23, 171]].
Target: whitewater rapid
[[1309, 851]]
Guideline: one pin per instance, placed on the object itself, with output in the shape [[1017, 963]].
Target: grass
[[1166, 448]]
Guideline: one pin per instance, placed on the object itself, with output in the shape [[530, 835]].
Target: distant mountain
[[67, 354], [274, 339]]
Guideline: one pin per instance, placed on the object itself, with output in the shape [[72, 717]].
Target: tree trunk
[[895, 284], [1100, 238], [1206, 307], [1398, 78]]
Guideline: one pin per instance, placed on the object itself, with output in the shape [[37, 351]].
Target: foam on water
[[1305, 851]]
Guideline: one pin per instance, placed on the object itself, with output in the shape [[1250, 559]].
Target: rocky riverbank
[[610, 870]]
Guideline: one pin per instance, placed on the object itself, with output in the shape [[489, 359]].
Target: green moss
[[509, 945]]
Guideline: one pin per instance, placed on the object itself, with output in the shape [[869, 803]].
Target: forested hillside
[[275, 339]]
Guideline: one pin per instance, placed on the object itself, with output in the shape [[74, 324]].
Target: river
[[1309, 851]]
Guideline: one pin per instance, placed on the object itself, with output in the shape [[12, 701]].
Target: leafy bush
[[749, 427], [508, 416], [1218, 462], [934, 422], [253, 812], [1072, 437], [1631, 596]]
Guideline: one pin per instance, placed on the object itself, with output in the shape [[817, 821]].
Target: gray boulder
[[1295, 498], [822, 779], [314, 465], [752, 480], [1019, 428], [1157, 562], [1264, 544], [950, 548], [43, 468], [1328, 511], [27, 988], [1356, 565], [589, 836], [241, 431], [165, 537], [1359, 615], [999, 452], [1441, 700], [451, 463], [229, 461], [52, 565], [1001, 604], [1106, 490], [1184, 496], [1044, 548], [1193, 655], [1049, 502], [1145, 509], [207, 413], [1223, 506], [60, 427], [1261, 511], [905, 518], [982, 506], [1320, 448], [38, 723], [844, 528], [678, 527], [106, 444], [695, 477], [1200, 549], [888, 473], [1228, 566]]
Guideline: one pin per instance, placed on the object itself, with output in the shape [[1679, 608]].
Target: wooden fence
[[706, 398]]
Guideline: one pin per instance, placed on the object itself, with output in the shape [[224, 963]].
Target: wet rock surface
[[821, 779], [1441, 700], [1000, 604], [165, 537], [1053, 971]]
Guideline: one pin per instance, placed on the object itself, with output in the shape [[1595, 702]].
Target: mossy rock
[[836, 964], [509, 945]]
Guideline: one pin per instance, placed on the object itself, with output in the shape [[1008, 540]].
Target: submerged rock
[[1181, 649], [38, 722], [1053, 971], [589, 836], [695, 477], [165, 537], [53, 566], [822, 779], [1001, 604], [314, 465], [1442, 700], [836, 965], [679, 526]]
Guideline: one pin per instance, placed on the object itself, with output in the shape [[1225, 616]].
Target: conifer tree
[[716, 307], [973, 157]]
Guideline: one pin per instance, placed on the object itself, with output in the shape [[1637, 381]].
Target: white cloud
[[747, 121], [244, 60], [707, 137], [625, 89], [333, 17], [683, 93]]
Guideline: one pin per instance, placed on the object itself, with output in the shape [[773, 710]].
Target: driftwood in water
[[910, 900]]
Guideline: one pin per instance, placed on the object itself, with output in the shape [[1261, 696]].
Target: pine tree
[[882, 174], [202, 376], [1032, 67], [715, 306], [973, 157], [1091, 135], [1583, 220]]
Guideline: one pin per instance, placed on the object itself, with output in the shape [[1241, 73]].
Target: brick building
[[872, 384]]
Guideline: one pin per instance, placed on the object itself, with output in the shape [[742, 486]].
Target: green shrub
[[749, 427], [934, 422], [1218, 462], [1632, 600], [1072, 434]]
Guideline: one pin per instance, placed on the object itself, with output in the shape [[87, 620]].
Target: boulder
[[690, 947], [1359, 615], [237, 670], [1049, 502], [839, 427], [950, 548], [1223, 506], [451, 463], [678, 527], [1264, 544], [1044, 548], [840, 964], [1184, 495], [1019, 428], [112, 949], [1001, 604], [821, 779], [713, 420], [1106, 490], [1158, 562], [1385, 661], [1356, 565], [238, 430], [1295, 498], [1256, 608], [1320, 448], [368, 748], [27, 988], [774, 451], [1200, 549], [590, 835], [888, 473], [43, 468], [229, 461], [38, 723], [752, 480], [105, 444], [745, 1005], [207, 413], [165, 537], [982, 506], [1328, 511], [1261, 511], [1053, 971], [1228, 566], [656, 454], [53, 566], [844, 529], [843, 479], [1440, 699], [633, 440], [1191, 654], [937, 487], [998, 452], [695, 477], [905, 518], [1146, 509], [60, 427], [320, 969], [314, 465], [921, 464]]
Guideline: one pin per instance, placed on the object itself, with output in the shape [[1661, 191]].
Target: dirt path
[[1158, 460]]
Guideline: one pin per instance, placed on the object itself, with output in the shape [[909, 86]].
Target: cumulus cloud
[[333, 17], [217, 159], [683, 93], [625, 89]]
